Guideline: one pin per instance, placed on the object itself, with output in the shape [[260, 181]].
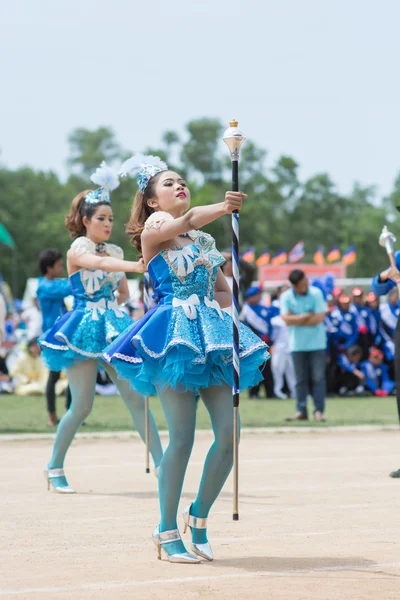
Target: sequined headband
[[98, 196], [143, 167], [108, 181]]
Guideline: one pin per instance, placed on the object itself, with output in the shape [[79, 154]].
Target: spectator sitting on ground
[[33, 320], [377, 379], [350, 378], [6, 383], [29, 372]]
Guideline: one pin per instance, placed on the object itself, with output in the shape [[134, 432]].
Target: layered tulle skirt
[[185, 347], [81, 334]]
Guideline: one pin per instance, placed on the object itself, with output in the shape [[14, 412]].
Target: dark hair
[[48, 258], [79, 210], [353, 350], [32, 342], [141, 211], [296, 276]]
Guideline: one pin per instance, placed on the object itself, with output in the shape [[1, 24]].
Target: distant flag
[[297, 252], [350, 256], [280, 258], [263, 259], [319, 258], [333, 254], [248, 255]]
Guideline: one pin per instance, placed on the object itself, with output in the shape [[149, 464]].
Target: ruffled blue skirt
[[168, 349], [76, 336]]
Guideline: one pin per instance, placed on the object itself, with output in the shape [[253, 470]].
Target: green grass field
[[28, 415]]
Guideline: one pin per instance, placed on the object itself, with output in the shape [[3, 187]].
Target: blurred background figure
[[257, 316], [51, 293], [6, 383], [377, 379], [104, 385], [281, 360], [303, 309], [29, 372], [33, 320], [350, 379], [3, 312]]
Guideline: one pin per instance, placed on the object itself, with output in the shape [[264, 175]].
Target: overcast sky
[[315, 79]]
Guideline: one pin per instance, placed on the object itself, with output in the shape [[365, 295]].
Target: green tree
[[89, 148], [200, 155]]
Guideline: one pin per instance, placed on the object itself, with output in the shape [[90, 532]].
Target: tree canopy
[[280, 210]]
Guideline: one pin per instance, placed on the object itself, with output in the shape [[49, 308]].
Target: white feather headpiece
[[107, 178], [143, 167]]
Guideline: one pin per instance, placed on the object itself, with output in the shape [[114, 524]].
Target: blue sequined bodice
[[90, 285], [181, 272]]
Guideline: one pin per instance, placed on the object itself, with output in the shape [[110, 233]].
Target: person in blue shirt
[[373, 303], [346, 323], [363, 316], [50, 293], [376, 373], [350, 378], [303, 309]]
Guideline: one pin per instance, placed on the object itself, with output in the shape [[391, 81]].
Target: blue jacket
[[364, 317], [257, 317], [377, 378], [347, 328], [345, 364], [50, 295], [381, 289]]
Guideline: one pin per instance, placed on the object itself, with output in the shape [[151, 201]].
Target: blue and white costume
[[95, 320], [389, 317], [377, 377], [344, 328], [185, 342]]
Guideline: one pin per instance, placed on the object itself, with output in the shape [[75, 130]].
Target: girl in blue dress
[[77, 340], [183, 346]]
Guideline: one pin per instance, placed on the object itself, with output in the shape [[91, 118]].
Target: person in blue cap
[[257, 316]]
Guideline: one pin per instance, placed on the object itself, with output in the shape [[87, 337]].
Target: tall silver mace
[[234, 138], [387, 240]]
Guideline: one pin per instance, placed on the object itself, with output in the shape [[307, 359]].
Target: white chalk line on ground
[[7, 437], [113, 585], [223, 541], [138, 464]]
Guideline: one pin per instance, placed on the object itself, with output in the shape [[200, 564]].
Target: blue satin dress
[[185, 341], [95, 320]]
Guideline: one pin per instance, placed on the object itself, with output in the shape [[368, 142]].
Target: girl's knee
[[81, 412], [224, 437], [182, 442]]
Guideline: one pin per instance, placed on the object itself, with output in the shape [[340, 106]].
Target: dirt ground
[[319, 519]]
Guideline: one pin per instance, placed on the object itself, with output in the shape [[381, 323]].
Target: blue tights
[[82, 381], [180, 413]]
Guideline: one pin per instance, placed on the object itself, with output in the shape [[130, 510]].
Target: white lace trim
[[157, 218], [52, 346], [124, 357], [78, 350], [198, 360], [83, 245], [173, 342]]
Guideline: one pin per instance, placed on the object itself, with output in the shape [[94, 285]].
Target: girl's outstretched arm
[[104, 263]]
